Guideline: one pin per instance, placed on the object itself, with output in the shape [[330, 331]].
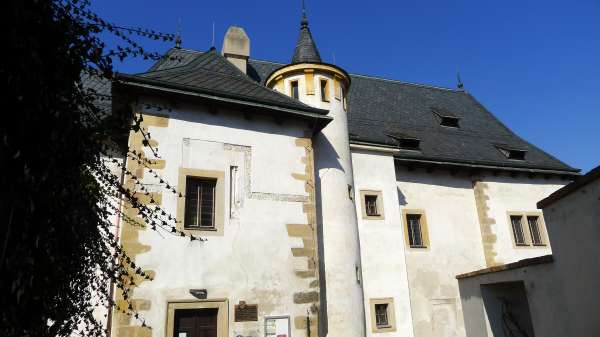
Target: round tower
[[324, 86]]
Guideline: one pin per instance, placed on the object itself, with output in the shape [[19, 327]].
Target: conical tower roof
[[306, 50]]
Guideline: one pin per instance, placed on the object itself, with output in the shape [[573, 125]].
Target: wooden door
[[196, 323]]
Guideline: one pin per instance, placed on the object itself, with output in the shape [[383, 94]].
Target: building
[[334, 204], [549, 295]]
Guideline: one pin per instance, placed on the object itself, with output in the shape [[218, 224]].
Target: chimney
[[236, 47]]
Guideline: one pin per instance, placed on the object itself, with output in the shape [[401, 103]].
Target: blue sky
[[534, 64]]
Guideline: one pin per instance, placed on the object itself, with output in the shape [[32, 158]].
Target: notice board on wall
[[277, 326]]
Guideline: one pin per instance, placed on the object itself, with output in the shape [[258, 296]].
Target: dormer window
[[451, 122], [409, 143], [406, 142], [294, 90], [511, 153], [446, 118]]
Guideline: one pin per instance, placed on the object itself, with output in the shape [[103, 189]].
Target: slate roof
[[306, 50], [380, 108], [210, 73]]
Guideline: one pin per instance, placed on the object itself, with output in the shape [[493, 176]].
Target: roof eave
[[316, 116]]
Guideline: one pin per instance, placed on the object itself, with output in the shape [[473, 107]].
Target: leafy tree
[[61, 181]]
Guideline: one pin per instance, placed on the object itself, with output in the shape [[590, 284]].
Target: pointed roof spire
[[306, 50]]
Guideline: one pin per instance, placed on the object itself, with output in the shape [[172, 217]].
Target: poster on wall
[[277, 326]]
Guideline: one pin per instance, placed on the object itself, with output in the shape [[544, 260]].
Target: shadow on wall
[[507, 309]]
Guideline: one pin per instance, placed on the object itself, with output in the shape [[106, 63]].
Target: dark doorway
[[507, 309], [196, 322]]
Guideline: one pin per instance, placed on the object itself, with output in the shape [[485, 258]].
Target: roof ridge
[[409, 83]]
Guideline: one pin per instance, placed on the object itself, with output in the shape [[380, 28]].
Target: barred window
[[381, 315], [415, 232], [517, 228], [534, 229], [200, 203], [371, 205]]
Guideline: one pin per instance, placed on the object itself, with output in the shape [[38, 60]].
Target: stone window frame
[[291, 86], [219, 212], [379, 195], [222, 315], [424, 228], [391, 327], [526, 231]]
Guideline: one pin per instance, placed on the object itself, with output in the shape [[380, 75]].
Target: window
[[294, 90], [372, 205], [409, 143], [202, 207], [517, 228], [200, 203], [344, 103], [324, 90], [449, 122], [534, 229], [446, 117], [511, 153], [382, 315], [527, 229], [416, 232]]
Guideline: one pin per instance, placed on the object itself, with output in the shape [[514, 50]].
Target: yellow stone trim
[[299, 68], [309, 81], [391, 327], [337, 87], [424, 228], [222, 314]]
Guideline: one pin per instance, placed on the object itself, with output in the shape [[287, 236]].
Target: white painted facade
[[422, 280]]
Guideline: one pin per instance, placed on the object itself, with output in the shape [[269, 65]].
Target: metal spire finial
[[460, 85], [178, 37], [304, 21]]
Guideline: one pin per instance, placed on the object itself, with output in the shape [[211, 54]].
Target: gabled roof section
[[211, 74], [380, 107], [306, 50]]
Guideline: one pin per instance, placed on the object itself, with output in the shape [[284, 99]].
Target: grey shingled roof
[[306, 50], [211, 73], [378, 108]]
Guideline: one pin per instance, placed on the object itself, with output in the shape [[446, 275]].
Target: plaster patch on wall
[[486, 223]]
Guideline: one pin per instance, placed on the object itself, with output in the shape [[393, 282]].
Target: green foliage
[[58, 252]]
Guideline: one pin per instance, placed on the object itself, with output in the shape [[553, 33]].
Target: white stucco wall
[[455, 236], [253, 260], [519, 194], [382, 242]]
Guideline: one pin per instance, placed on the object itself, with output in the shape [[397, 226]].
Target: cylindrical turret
[[325, 86]]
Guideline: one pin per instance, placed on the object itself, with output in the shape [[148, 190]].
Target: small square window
[[448, 121], [381, 315], [372, 205], [409, 143], [294, 90], [510, 153]]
